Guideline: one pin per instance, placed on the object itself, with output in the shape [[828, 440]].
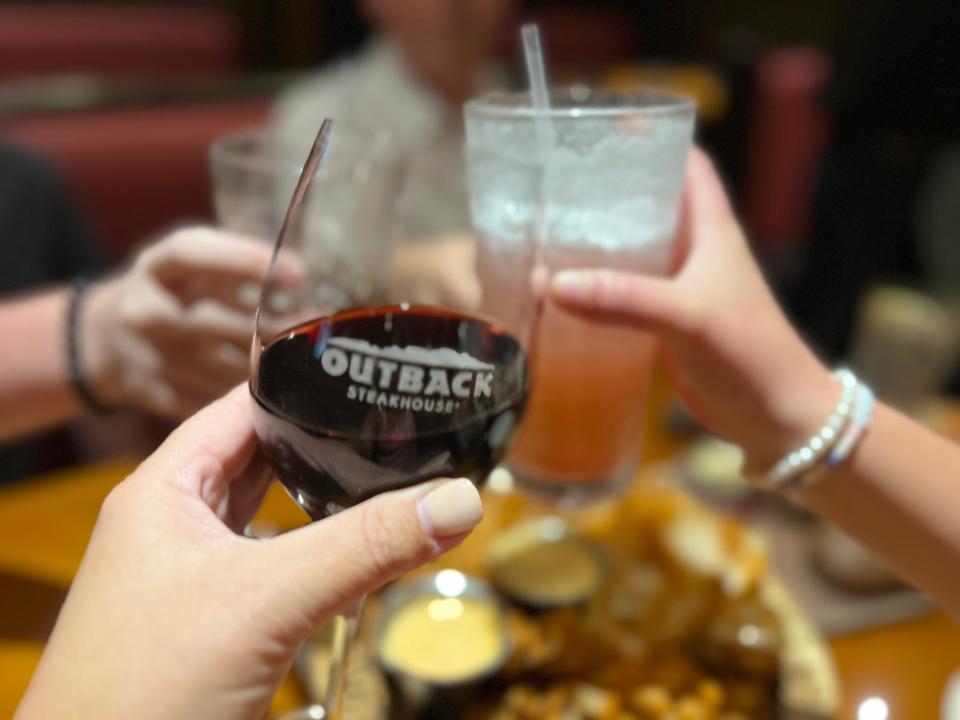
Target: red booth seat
[[103, 39], [134, 172]]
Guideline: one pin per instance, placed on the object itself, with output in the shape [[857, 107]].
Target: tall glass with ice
[[603, 189]]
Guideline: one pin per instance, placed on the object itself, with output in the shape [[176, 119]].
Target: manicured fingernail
[[570, 285], [248, 295], [451, 508]]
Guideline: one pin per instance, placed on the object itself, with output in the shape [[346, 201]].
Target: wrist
[[795, 410], [99, 365]]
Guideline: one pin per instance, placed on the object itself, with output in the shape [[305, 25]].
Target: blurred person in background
[[891, 173], [425, 60], [429, 56], [166, 335], [44, 237], [44, 240]]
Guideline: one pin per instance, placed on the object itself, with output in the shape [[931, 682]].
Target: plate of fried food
[[649, 608]]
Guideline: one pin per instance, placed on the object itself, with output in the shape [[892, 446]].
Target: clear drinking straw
[[539, 94], [543, 128]]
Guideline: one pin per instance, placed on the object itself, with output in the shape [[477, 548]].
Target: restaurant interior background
[[835, 123]]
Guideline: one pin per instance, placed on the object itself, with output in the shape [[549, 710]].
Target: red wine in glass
[[365, 401], [349, 402]]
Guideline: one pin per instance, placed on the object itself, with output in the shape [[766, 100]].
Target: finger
[[698, 184], [234, 498], [192, 257], [685, 225], [247, 492], [209, 451], [200, 383], [323, 567], [230, 356], [155, 395], [146, 381], [707, 222], [239, 295], [217, 322], [218, 361], [710, 199], [185, 405], [221, 361], [147, 304], [207, 322], [175, 403], [650, 303], [243, 295]]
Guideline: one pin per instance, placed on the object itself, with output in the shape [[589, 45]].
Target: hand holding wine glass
[[172, 332], [175, 614]]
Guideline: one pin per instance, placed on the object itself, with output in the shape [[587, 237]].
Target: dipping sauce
[[543, 565], [444, 640]]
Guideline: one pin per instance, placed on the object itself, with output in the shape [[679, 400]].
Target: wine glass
[[356, 392]]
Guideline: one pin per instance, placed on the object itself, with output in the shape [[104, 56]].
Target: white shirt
[[376, 92]]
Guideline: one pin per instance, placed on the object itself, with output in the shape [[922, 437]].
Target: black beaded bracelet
[[78, 291]]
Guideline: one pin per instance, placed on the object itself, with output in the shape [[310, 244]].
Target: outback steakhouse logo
[[406, 378]]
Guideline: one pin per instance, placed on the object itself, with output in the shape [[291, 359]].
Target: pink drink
[[595, 179], [580, 435]]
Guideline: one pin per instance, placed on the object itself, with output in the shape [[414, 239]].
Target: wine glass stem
[[342, 639]]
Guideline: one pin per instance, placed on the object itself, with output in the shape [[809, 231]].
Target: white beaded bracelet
[[861, 418], [801, 460]]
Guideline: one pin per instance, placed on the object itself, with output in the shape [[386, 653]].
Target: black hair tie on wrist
[[78, 291]]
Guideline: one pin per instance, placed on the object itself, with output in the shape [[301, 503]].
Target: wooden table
[[45, 523]]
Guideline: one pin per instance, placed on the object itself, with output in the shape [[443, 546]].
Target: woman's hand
[[748, 377], [173, 332], [174, 614], [739, 365]]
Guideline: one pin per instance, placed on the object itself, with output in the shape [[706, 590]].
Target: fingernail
[[248, 295], [451, 508], [570, 285]]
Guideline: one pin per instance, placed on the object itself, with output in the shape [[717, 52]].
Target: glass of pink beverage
[[606, 194]]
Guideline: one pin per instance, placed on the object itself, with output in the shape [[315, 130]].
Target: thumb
[[649, 303], [326, 566]]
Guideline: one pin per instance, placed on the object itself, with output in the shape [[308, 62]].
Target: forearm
[[35, 390], [899, 495]]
